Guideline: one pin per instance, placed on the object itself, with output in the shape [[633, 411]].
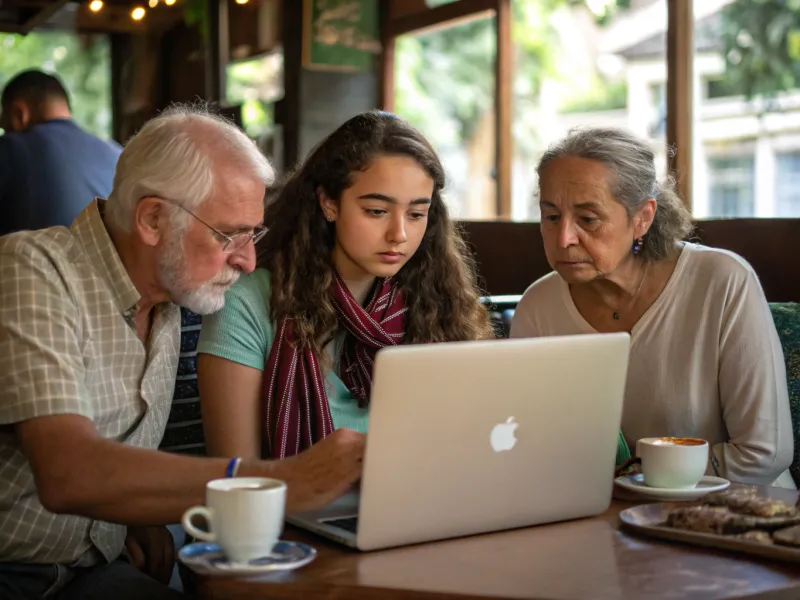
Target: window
[[604, 63], [731, 186], [718, 87], [83, 63], [445, 84], [583, 64], [256, 84], [787, 184], [746, 54]]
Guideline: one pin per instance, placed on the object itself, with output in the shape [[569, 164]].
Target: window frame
[[402, 17]]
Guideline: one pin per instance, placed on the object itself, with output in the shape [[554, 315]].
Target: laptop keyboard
[[347, 523]]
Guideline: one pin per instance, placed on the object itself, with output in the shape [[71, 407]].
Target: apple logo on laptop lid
[[502, 437]]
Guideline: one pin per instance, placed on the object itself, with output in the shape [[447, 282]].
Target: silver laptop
[[472, 437]]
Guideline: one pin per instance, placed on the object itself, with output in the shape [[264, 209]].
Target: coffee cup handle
[[207, 514]]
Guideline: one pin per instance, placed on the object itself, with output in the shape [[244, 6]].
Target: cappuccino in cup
[[673, 462]]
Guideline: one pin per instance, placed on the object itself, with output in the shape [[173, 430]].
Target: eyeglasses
[[232, 243]]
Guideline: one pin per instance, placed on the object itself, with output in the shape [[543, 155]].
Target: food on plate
[[739, 492], [741, 514], [762, 537], [742, 502], [722, 520]]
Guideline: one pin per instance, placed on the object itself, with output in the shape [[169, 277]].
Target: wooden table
[[588, 558]]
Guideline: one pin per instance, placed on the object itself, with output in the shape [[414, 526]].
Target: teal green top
[[243, 332]]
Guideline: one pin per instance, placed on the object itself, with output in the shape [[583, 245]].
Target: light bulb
[[137, 14], [96, 5]]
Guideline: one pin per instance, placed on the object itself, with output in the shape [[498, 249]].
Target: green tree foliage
[[195, 15], [82, 63], [256, 84], [604, 97], [762, 46], [446, 75], [445, 78]]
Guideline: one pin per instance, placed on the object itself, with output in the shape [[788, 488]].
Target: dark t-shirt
[[49, 173]]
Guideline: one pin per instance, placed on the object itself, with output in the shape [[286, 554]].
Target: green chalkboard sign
[[340, 35]]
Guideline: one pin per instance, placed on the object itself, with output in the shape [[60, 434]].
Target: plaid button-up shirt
[[68, 345]]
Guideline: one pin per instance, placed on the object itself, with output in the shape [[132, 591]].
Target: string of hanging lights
[[139, 12]]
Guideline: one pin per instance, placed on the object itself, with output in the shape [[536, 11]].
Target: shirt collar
[[90, 230]]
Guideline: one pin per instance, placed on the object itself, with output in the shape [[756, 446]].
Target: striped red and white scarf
[[296, 403]]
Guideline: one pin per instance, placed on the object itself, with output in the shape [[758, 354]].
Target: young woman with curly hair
[[360, 254]]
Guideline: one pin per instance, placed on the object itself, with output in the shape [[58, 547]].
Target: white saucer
[[209, 559], [635, 483]]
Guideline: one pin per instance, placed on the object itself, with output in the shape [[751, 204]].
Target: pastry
[[750, 504], [721, 520], [762, 537]]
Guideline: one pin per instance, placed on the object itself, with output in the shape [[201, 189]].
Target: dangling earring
[[637, 245]]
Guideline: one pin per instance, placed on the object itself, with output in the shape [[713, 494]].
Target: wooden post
[[288, 108], [386, 93], [118, 43], [503, 140], [217, 49], [680, 82]]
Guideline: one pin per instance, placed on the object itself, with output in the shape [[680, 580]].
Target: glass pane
[[747, 109], [730, 185], [585, 63], [82, 62], [256, 84], [444, 85], [787, 184]]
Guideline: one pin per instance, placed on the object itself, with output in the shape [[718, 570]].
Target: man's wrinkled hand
[[152, 551], [325, 471]]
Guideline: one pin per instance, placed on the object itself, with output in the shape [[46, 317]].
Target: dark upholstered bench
[[787, 322]]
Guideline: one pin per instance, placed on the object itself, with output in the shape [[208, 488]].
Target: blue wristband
[[233, 467]]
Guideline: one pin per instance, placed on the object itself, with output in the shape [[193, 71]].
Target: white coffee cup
[[671, 462], [244, 516]]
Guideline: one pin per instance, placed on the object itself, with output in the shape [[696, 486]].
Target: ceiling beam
[[444, 15], [41, 16]]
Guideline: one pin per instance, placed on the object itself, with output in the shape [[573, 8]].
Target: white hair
[[176, 156]]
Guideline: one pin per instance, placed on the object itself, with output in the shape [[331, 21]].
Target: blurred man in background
[[50, 168]]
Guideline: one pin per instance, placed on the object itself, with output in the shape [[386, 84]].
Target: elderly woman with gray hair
[[705, 359]]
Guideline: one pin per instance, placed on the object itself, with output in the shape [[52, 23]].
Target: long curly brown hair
[[438, 282]]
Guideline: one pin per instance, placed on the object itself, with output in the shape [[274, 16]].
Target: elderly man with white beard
[[89, 340]]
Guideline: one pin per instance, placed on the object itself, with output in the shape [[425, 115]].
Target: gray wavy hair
[[632, 165], [176, 156]]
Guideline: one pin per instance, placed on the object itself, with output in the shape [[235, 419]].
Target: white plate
[[635, 483], [208, 559]]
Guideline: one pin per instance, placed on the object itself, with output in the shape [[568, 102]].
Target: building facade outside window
[[731, 186]]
